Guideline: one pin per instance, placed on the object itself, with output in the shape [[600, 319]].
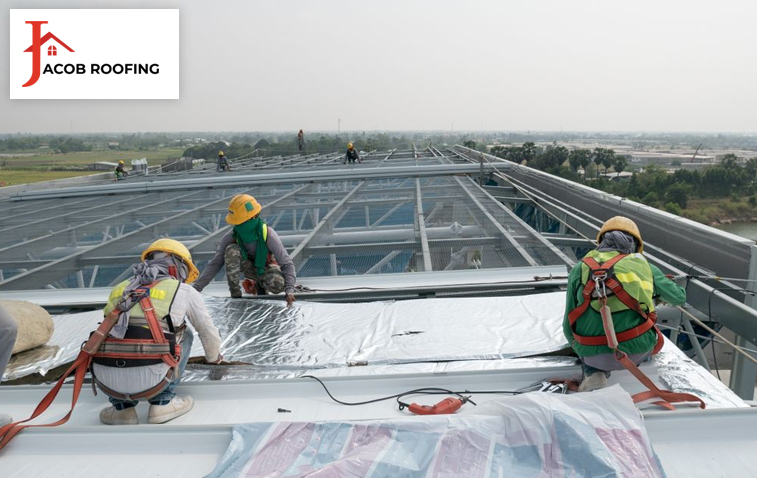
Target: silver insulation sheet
[[265, 334], [264, 339]]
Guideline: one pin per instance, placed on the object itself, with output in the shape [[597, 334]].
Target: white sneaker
[[5, 419], [594, 381], [111, 416], [175, 408]]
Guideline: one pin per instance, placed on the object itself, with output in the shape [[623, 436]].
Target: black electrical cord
[[425, 391], [417, 391]]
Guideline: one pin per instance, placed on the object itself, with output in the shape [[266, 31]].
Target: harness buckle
[[600, 288], [599, 274]]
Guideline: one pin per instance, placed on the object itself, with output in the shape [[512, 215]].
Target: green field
[[31, 169], [13, 177], [82, 158]]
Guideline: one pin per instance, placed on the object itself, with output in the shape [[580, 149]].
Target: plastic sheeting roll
[[35, 326]]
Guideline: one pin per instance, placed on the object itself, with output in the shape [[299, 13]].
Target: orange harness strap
[[667, 398], [78, 368]]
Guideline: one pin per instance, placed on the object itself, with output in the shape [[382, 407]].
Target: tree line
[[654, 186]]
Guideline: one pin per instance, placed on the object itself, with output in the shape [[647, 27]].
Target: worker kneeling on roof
[[148, 348], [252, 248], [594, 281]]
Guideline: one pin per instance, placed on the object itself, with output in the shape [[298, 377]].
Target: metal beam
[[516, 245], [420, 221], [50, 241], [67, 265], [534, 234], [744, 372], [254, 180], [295, 255]]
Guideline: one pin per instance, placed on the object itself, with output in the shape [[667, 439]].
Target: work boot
[[111, 416], [177, 407], [5, 419], [594, 381]]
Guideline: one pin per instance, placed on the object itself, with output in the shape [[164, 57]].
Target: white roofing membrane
[[482, 328], [193, 444]]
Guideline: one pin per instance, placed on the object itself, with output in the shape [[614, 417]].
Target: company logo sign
[[94, 54]]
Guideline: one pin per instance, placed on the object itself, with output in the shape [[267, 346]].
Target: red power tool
[[445, 407]]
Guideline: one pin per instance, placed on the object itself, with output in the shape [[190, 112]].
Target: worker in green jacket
[[642, 281]]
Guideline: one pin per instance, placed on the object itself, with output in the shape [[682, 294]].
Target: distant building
[[622, 176]]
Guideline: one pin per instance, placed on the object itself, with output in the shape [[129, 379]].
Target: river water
[[743, 229]]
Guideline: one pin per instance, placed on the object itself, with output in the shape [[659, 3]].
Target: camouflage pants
[[272, 281]]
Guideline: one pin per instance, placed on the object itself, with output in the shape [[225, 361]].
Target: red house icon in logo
[[51, 50], [36, 47]]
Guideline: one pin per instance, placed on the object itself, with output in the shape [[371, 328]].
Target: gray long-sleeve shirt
[[274, 246]]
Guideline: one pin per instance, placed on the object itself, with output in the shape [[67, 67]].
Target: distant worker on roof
[[301, 141], [223, 162], [630, 308], [148, 348], [120, 172], [351, 155], [254, 249]]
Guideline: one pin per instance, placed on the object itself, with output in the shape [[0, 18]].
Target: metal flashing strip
[[420, 282], [247, 181]]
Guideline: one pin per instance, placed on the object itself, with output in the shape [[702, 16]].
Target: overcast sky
[[428, 65]]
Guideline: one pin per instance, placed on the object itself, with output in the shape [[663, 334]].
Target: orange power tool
[[445, 407]]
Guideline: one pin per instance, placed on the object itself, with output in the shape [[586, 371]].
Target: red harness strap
[[667, 398], [78, 368]]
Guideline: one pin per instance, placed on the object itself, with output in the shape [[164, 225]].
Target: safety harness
[[601, 278], [101, 347]]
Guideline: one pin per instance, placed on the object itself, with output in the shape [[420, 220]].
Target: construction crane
[[695, 153]]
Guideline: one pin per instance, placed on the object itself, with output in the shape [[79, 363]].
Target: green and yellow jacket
[[641, 280]]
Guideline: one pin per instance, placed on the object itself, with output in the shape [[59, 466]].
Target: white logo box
[[117, 54]]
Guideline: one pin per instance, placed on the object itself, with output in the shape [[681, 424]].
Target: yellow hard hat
[[178, 249], [349, 145], [242, 207], [121, 161], [220, 153], [622, 223]]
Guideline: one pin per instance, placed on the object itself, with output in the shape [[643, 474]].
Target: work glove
[[680, 279]]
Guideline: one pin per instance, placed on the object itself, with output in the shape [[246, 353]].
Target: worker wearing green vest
[[640, 280]]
